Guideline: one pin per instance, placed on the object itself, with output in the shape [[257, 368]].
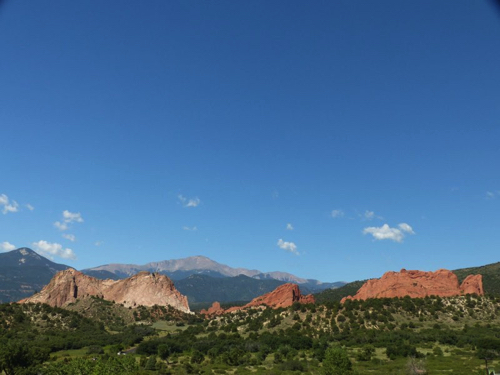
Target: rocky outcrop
[[145, 289], [473, 284], [418, 284], [283, 296], [215, 309]]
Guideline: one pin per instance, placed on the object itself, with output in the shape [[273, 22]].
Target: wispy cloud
[[370, 215], [53, 249], [29, 207], [61, 225], [288, 246], [385, 232], [8, 205], [337, 213], [192, 229], [70, 237], [289, 226], [98, 243], [191, 202], [492, 194], [6, 246], [68, 218]]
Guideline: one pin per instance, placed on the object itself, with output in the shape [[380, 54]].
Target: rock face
[[145, 289], [418, 284], [283, 296], [215, 309], [473, 284]]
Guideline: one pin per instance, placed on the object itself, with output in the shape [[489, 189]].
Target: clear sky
[[133, 132]]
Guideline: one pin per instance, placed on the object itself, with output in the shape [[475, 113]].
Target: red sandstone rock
[[145, 289], [283, 296], [473, 284], [418, 284], [215, 309]]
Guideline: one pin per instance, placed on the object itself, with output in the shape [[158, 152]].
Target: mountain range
[[23, 272], [178, 269]]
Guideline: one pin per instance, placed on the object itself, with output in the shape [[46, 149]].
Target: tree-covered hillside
[[203, 288], [335, 295]]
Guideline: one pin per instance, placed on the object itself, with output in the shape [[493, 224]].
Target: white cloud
[[192, 202], [337, 213], [289, 226], [29, 207], [8, 205], [6, 246], [370, 215], [68, 218], [70, 237], [98, 243], [288, 246], [192, 229], [53, 249], [406, 228], [61, 226], [385, 232]]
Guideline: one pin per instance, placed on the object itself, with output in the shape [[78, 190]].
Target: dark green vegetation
[[335, 295], [203, 288], [23, 272], [30, 332], [383, 336]]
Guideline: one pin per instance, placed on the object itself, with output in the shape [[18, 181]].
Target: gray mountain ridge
[[178, 269]]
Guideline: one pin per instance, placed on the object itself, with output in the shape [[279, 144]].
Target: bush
[[337, 362]]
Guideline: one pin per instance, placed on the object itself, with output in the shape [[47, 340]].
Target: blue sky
[[161, 129]]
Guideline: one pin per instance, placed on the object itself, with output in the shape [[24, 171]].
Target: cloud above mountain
[[68, 218], [6, 246], [385, 232], [288, 246], [53, 249], [8, 205]]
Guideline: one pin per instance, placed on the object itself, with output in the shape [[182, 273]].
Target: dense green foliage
[[335, 295], [203, 288], [29, 332], [383, 335]]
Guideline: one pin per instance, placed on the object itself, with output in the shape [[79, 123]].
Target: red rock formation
[[215, 309], [418, 284], [473, 284], [145, 289], [283, 296]]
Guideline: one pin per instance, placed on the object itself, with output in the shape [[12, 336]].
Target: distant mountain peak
[[22, 271]]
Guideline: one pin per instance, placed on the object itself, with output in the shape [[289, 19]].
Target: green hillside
[[335, 295], [203, 288]]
